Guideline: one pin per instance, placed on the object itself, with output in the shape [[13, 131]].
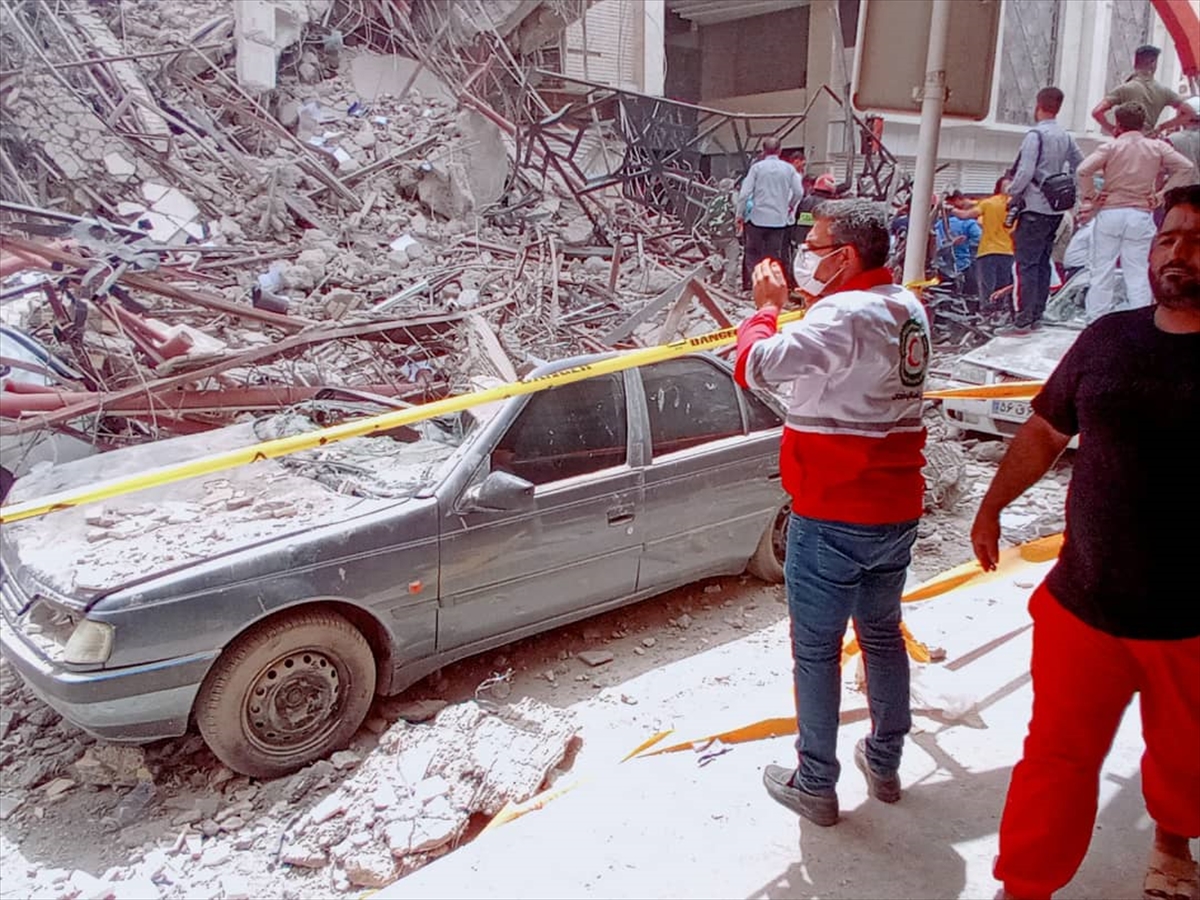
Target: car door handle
[[620, 515], [774, 476]]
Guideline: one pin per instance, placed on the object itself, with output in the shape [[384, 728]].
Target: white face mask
[[805, 268]]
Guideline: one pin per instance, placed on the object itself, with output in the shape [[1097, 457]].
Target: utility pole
[[932, 99]]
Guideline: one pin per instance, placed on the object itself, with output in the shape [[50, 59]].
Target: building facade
[[767, 56]]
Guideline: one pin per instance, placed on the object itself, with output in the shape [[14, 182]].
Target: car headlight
[[969, 373], [90, 643]]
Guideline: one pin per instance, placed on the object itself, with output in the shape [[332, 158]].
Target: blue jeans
[[836, 571], [1033, 241]]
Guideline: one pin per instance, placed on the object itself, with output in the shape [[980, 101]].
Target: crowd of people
[[1106, 620], [1051, 216]]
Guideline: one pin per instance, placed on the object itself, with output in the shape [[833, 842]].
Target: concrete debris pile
[[414, 798], [362, 818], [233, 207]]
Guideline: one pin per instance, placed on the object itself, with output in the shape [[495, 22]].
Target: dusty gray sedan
[[271, 602]]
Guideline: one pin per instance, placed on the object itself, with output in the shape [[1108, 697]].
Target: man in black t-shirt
[[1119, 613]]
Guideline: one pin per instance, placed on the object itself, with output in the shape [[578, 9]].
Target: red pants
[[1083, 680]]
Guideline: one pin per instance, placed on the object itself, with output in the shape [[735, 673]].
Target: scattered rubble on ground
[[254, 219], [393, 806], [126, 833], [366, 220], [424, 783]]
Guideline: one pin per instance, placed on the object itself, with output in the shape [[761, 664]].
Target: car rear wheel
[[286, 693], [767, 562]]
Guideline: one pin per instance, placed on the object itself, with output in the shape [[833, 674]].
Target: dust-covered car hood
[[99, 547], [1030, 356]]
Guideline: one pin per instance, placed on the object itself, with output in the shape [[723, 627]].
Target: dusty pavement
[[677, 826], [72, 830]]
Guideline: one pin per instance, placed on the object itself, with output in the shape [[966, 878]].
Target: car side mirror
[[501, 491]]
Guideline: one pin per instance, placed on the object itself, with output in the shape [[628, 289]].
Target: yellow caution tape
[[310, 440], [511, 810], [1009, 390], [1039, 550], [369, 425], [1012, 559], [756, 731]]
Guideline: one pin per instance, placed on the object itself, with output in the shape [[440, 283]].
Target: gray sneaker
[[818, 809], [882, 787]]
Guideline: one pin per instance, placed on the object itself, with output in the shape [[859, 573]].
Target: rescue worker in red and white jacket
[[851, 459]]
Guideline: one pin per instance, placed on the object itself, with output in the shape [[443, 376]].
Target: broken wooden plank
[[709, 303], [491, 345], [675, 316], [652, 308]]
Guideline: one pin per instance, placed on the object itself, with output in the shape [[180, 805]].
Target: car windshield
[[389, 465]]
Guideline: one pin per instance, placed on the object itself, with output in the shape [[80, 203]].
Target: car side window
[[567, 431], [690, 402], [762, 417]]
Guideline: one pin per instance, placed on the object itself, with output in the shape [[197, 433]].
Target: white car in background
[[24, 359], [1026, 357]]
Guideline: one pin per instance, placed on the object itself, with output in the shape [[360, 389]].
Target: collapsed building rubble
[[247, 204], [425, 784], [360, 819]]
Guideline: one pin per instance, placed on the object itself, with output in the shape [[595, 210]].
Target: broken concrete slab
[[263, 29], [445, 187], [426, 782], [486, 157], [372, 868], [9, 804], [375, 74], [595, 657], [119, 165], [112, 764]]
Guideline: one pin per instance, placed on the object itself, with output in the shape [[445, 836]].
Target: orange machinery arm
[[1183, 24]]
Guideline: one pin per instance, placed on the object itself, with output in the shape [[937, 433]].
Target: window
[[1129, 29], [762, 417], [690, 402], [567, 431], [1030, 49]]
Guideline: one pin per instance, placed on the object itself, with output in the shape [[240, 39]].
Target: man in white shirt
[[772, 189]]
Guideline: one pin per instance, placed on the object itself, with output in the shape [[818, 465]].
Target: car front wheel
[[286, 692], [767, 561]]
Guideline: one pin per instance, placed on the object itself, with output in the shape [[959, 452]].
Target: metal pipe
[[932, 99]]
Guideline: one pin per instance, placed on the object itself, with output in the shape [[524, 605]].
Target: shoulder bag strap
[[1034, 180]]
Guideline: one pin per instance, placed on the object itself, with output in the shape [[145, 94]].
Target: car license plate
[[1012, 410]]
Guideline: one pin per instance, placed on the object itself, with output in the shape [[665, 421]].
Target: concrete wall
[[619, 42], [760, 54], [977, 152], [263, 29]]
